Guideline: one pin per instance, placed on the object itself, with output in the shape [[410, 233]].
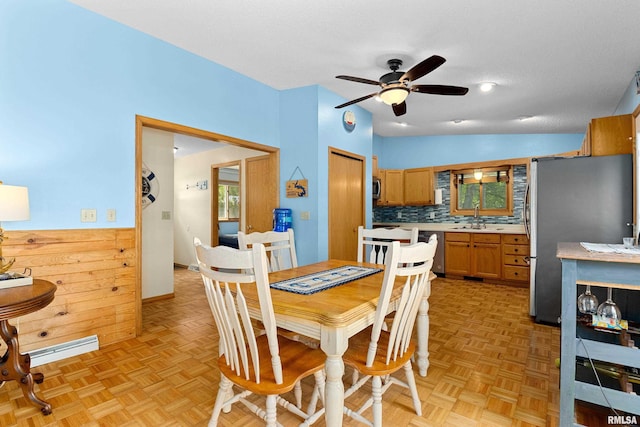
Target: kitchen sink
[[468, 227]]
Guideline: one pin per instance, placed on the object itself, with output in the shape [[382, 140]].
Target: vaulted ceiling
[[556, 64]]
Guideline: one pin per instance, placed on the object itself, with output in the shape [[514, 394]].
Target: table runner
[[316, 282]]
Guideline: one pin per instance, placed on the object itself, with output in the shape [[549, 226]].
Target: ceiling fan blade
[[440, 89], [399, 109], [355, 101], [423, 68], [359, 80]]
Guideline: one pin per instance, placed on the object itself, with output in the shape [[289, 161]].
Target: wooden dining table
[[332, 316]]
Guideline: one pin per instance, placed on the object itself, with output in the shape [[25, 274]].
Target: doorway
[[346, 202], [173, 128]]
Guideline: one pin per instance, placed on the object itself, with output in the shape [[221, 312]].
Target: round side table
[[16, 302]]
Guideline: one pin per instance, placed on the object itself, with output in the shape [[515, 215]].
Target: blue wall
[[310, 125], [419, 151], [630, 100], [73, 82]]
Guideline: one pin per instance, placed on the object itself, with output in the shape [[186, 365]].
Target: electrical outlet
[[399, 214], [88, 215], [432, 215], [166, 215], [306, 215]]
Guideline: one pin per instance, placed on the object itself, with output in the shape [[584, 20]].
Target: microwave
[[376, 184]]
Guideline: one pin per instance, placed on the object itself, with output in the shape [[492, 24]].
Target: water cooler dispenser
[[281, 219]]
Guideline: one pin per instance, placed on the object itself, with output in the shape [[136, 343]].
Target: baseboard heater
[[63, 350]]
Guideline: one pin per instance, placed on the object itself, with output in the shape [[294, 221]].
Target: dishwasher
[[438, 260]]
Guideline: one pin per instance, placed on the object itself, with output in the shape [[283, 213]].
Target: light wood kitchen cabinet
[[374, 167], [392, 184], [473, 254], [418, 187], [607, 136], [515, 257], [457, 253]]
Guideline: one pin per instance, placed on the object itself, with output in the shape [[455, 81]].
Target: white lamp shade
[[14, 203], [394, 95]]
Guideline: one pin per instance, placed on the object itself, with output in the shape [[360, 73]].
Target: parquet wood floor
[[490, 366]]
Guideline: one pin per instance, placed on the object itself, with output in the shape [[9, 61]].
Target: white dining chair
[[373, 243], [377, 353], [269, 364], [279, 245]]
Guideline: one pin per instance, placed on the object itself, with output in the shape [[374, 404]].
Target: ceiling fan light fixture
[[394, 95]]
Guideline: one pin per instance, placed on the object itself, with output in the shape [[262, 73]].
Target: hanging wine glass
[[587, 302], [609, 308]]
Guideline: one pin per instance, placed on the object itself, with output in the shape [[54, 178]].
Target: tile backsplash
[[422, 214]]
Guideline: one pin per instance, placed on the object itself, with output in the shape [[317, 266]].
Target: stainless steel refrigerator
[[579, 199]]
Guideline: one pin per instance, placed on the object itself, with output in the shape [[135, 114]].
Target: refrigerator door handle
[[526, 211], [532, 287]]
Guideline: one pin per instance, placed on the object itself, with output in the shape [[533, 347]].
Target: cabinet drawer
[[486, 238], [515, 260], [515, 250], [516, 273], [515, 239], [457, 237]]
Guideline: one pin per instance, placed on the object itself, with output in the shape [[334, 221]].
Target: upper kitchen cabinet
[[418, 187], [375, 172], [392, 183], [607, 136]]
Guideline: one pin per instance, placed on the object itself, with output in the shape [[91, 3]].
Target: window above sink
[[488, 189]]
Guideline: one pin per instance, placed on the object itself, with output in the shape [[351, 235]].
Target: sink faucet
[[476, 217]]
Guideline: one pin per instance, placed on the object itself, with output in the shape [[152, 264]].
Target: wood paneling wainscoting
[[95, 272]]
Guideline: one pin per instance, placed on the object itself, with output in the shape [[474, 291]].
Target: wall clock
[[349, 120], [149, 186]]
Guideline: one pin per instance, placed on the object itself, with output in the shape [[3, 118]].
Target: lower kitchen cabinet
[[500, 257], [473, 254], [457, 253], [515, 257]]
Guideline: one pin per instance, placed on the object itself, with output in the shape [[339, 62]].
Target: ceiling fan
[[396, 85]]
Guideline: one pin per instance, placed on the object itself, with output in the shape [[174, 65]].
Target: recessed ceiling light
[[457, 121], [487, 86], [523, 118], [403, 124]]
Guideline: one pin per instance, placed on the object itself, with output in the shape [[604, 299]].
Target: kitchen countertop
[[453, 227]]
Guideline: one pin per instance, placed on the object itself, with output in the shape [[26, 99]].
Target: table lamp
[[14, 206]]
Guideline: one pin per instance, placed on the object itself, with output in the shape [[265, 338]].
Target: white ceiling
[[560, 61]]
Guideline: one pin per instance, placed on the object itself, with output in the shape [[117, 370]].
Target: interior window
[[489, 189], [228, 201]]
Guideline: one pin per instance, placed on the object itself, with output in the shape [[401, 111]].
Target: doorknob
[[249, 227]]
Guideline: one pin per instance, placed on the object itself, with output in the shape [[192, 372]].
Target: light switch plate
[[111, 215], [306, 215], [88, 215]]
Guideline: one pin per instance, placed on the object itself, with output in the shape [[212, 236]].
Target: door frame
[[141, 122], [215, 179]]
